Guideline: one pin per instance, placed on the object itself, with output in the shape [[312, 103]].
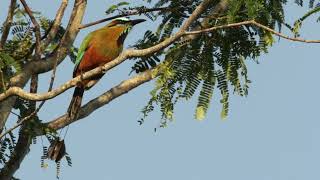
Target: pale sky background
[[273, 134]]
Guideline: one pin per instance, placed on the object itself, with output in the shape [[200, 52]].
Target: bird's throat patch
[[123, 36]]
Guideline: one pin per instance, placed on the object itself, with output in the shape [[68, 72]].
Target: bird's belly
[[92, 60]]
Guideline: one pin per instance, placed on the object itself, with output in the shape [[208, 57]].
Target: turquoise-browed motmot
[[98, 48]]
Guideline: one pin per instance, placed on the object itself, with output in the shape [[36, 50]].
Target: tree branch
[[36, 29], [140, 11], [221, 7], [55, 26], [7, 23], [45, 65], [253, 22], [123, 88]]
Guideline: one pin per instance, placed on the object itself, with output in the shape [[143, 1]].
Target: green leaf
[[225, 106], [200, 113], [123, 4], [297, 27], [10, 61], [268, 38], [114, 7]]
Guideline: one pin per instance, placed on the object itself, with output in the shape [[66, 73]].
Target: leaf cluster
[[212, 61]]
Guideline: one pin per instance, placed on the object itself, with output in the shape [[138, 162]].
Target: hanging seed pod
[[57, 150]]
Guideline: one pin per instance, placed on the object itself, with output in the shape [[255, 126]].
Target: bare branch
[[36, 29], [7, 23], [253, 23], [55, 26], [221, 7], [141, 11], [20, 122], [34, 88], [123, 88]]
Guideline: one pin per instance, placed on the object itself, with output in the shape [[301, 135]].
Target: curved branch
[[253, 22]]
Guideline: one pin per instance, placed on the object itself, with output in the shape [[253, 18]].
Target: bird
[[98, 48]]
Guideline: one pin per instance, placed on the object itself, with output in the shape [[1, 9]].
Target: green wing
[[83, 47]]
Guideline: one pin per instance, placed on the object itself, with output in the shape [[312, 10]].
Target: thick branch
[[104, 99], [7, 23]]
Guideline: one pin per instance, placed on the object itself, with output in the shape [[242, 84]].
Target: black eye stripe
[[119, 22], [123, 22]]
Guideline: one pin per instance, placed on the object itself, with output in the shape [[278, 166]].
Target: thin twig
[[15, 114], [141, 11], [7, 23], [21, 121], [52, 32], [253, 22], [33, 89], [36, 29]]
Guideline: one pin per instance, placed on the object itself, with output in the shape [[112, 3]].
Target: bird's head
[[123, 26]]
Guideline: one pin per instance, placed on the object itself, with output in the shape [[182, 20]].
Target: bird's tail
[[75, 103]]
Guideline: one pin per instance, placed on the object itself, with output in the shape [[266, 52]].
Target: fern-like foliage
[[212, 61], [314, 9]]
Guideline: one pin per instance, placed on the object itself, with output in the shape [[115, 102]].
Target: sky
[[273, 134]]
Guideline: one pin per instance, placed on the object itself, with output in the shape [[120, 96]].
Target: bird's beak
[[137, 21]]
